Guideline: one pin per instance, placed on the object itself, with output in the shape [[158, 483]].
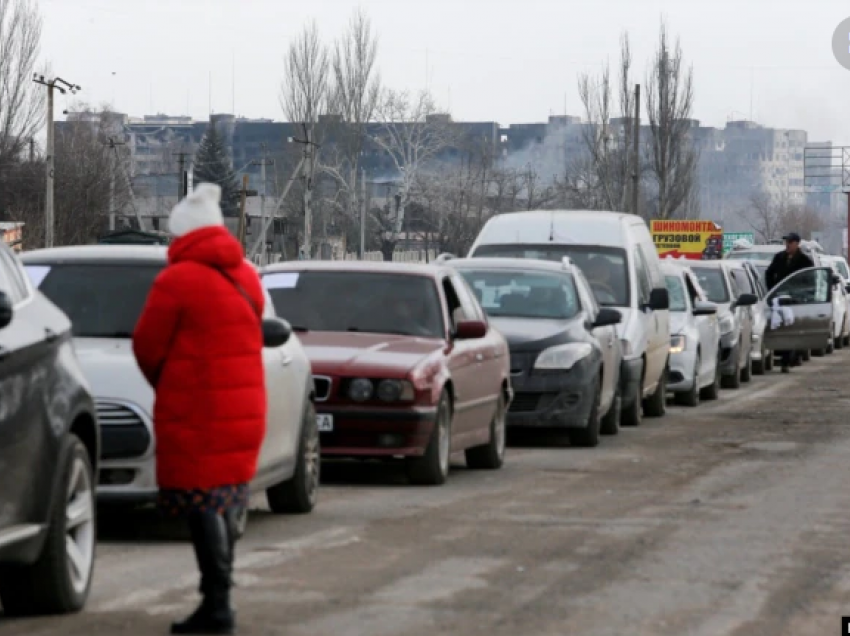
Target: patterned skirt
[[177, 503]]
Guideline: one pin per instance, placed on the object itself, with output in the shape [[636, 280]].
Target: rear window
[[713, 283], [524, 294], [357, 301], [605, 268], [101, 301]]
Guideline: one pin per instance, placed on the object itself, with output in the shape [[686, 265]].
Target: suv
[[49, 446]]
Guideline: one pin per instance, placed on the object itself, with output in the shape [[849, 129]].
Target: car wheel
[[806, 355], [656, 404], [830, 346], [492, 455], [59, 581], [768, 360], [732, 381], [746, 371], [588, 437], [760, 366], [838, 342], [632, 415], [712, 391], [432, 468], [847, 340], [818, 353], [298, 494], [690, 398], [610, 424]]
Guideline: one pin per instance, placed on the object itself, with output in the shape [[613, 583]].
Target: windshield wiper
[[113, 334], [392, 332]]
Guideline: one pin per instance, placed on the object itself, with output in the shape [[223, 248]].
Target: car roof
[[721, 264], [375, 267], [525, 264], [675, 267], [117, 254]]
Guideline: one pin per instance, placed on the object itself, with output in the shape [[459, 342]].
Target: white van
[[616, 253]]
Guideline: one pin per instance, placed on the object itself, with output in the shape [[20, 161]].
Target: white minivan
[[616, 253]]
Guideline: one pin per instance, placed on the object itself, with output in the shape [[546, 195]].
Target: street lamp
[[57, 83]]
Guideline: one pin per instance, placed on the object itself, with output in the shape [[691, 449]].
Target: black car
[[49, 445], [565, 353]]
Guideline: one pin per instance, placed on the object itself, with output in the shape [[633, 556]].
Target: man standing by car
[[785, 263]]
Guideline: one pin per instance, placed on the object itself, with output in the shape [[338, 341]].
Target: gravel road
[[732, 518]]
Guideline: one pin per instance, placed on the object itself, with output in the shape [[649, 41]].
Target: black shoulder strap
[[240, 289]]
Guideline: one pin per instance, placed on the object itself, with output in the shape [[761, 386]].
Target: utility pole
[[256, 246], [636, 159], [63, 87], [265, 161], [243, 198], [113, 145], [362, 213], [308, 195], [183, 177]]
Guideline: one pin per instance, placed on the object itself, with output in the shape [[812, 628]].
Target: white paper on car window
[[37, 273], [282, 280]]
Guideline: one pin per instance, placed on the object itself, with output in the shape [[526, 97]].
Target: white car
[[102, 289], [841, 301], [761, 357], [695, 337]]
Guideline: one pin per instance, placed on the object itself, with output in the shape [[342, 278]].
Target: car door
[[607, 338], [464, 358], [27, 449], [808, 294], [707, 327], [741, 285], [654, 362], [283, 417]]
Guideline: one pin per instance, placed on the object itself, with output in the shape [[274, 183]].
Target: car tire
[[847, 340], [690, 398], [830, 346], [818, 353], [298, 495], [732, 381], [610, 424], [838, 342], [52, 585], [656, 404], [491, 456], [712, 391], [632, 415], [432, 469], [588, 437], [768, 360], [806, 355], [747, 370], [760, 366]]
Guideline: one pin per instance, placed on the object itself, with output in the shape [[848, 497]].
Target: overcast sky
[[509, 61]]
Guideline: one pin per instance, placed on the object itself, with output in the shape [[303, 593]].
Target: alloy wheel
[[79, 526]]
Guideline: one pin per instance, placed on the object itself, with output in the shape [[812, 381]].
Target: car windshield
[[357, 301], [604, 267], [676, 291], [524, 294], [101, 300], [841, 266], [713, 283]]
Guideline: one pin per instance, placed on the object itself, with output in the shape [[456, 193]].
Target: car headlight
[[677, 344], [394, 390], [625, 347], [563, 357], [360, 389], [727, 324]]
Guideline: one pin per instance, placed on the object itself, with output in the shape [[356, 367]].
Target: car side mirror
[[607, 317], [703, 308], [847, 288], [276, 332], [6, 310], [470, 330], [746, 300], [659, 299], [836, 279]]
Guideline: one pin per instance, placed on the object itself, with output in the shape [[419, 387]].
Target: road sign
[[729, 239]]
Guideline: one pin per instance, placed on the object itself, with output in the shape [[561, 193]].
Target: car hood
[[110, 367], [365, 353], [522, 331]]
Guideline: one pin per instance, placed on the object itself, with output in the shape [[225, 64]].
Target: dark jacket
[[784, 265]]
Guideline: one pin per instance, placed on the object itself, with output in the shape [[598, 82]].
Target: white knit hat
[[198, 210]]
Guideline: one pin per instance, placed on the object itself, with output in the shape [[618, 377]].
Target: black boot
[[213, 545]]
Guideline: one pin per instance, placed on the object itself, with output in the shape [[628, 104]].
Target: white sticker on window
[[282, 280], [37, 273]]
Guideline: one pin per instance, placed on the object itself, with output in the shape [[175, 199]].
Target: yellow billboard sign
[[696, 240]]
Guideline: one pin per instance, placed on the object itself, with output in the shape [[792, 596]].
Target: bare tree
[[412, 133], [21, 101], [610, 147], [669, 101], [763, 216]]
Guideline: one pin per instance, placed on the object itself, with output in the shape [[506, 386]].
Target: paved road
[[733, 518]]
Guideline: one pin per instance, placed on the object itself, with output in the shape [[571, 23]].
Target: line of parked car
[[566, 320]]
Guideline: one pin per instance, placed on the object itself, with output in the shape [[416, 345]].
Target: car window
[[742, 281], [644, 282], [17, 284], [268, 306], [102, 301], [586, 297], [523, 294], [677, 293], [713, 283], [605, 268], [357, 301], [806, 287], [843, 269], [695, 292], [467, 297]]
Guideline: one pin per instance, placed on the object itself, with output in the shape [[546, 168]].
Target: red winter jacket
[[199, 344]]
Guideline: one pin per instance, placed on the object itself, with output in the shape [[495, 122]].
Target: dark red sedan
[[404, 362]]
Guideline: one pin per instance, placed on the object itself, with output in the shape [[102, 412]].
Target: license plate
[[325, 422]]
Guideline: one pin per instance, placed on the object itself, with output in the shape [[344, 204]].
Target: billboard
[[729, 239], [696, 240], [13, 234]]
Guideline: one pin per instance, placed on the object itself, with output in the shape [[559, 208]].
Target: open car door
[[808, 293]]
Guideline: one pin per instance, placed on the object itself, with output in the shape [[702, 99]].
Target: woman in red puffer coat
[[199, 344]]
